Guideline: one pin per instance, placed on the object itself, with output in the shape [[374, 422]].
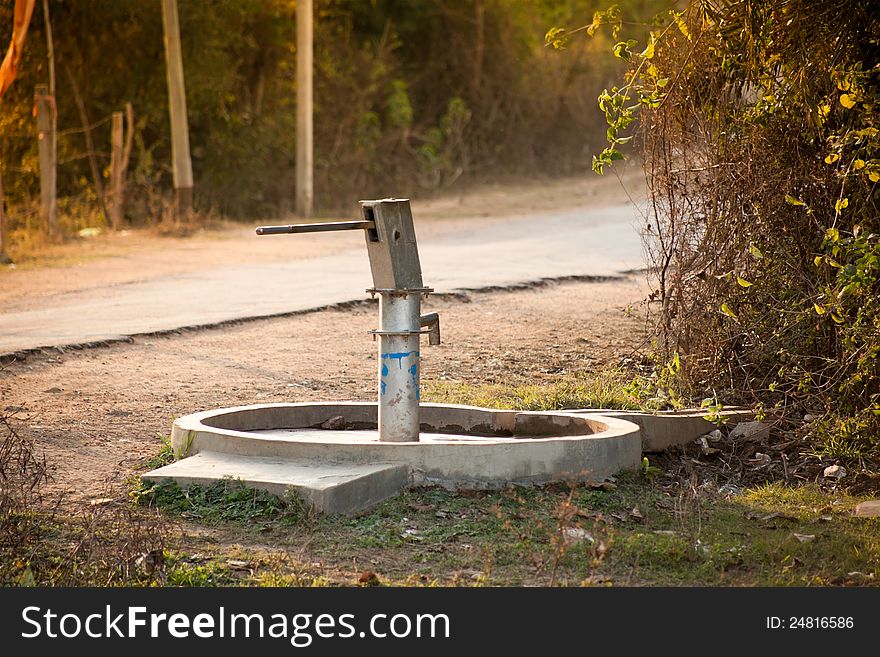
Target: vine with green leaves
[[757, 125]]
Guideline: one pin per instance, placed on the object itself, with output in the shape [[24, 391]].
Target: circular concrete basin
[[459, 445]]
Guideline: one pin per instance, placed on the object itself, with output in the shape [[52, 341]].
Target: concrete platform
[[462, 446], [330, 453], [326, 487]]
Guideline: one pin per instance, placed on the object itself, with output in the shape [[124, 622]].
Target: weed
[[548, 536], [22, 474], [183, 452], [226, 500], [849, 439], [164, 456], [650, 471], [183, 570], [714, 411]]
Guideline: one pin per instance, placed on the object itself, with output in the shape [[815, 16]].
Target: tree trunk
[[90, 145]]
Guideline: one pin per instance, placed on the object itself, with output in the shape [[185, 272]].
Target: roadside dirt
[[97, 413]]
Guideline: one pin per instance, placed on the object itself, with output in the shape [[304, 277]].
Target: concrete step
[[327, 487], [661, 430]]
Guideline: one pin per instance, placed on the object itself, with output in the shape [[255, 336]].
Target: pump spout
[[432, 321]]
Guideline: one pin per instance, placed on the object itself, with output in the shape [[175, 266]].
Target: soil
[[99, 412]]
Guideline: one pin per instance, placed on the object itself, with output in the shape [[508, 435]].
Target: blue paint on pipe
[[414, 375], [400, 355]]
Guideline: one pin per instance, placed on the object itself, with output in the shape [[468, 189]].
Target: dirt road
[[132, 284]]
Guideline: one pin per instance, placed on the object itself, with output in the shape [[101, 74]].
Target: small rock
[[715, 436], [753, 431], [151, 561], [869, 509], [808, 418], [703, 442], [334, 424], [834, 472]]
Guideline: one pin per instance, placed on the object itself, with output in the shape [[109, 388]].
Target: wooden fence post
[[119, 156], [46, 136]]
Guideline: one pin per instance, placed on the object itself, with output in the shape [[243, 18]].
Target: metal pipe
[[316, 228], [399, 365]]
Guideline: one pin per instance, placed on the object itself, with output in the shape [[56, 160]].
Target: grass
[[641, 531], [637, 531], [225, 501], [608, 389], [646, 528]]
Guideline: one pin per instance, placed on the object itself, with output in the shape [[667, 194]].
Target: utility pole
[[304, 142], [53, 108], [181, 163]]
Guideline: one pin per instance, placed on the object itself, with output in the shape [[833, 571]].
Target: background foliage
[[410, 96], [758, 124]]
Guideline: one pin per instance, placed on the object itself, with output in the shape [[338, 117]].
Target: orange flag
[[23, 11]]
